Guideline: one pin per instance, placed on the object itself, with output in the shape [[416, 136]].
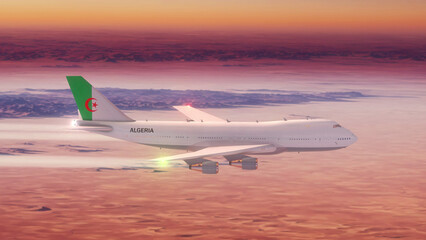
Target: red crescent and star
[[94, 104]]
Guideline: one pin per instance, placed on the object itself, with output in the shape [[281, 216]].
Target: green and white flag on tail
[[91, 104]]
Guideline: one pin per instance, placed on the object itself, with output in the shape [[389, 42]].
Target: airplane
[[204, 135]]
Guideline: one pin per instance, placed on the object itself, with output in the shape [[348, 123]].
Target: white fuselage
[[291, 135]]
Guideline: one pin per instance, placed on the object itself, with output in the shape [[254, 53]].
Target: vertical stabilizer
[[91, 104]]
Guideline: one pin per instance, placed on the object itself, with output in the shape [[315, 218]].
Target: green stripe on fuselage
[[82, 90]]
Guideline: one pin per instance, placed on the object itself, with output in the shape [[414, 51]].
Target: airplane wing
[[223, 150], [197, 115]]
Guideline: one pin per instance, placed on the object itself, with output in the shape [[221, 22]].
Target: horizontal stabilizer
[[94, 128]]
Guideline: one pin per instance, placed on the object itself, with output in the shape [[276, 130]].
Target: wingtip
[[182, 106]]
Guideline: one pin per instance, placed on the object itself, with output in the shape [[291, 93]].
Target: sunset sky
[[328, 40], [393, 16]]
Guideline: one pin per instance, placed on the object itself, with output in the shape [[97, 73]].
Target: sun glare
[[163, 163]]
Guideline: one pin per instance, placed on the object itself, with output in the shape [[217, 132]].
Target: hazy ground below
[[375, 189]]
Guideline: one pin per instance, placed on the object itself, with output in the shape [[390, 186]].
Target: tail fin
[[91, 104]]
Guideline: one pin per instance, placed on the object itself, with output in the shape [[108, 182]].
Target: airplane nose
[[354, 138]]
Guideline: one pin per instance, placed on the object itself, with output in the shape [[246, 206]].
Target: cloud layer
[[54, 103], [84, 47]]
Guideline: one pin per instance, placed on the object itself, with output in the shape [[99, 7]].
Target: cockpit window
[[336, 126]]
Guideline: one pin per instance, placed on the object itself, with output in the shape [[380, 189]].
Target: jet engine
[[243, 162], [203, 165]]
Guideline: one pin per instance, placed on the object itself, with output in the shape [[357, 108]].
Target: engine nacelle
[[246, 163], [206, 167]]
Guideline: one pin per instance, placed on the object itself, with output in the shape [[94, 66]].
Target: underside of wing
[[197, 115], [221, 151]]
